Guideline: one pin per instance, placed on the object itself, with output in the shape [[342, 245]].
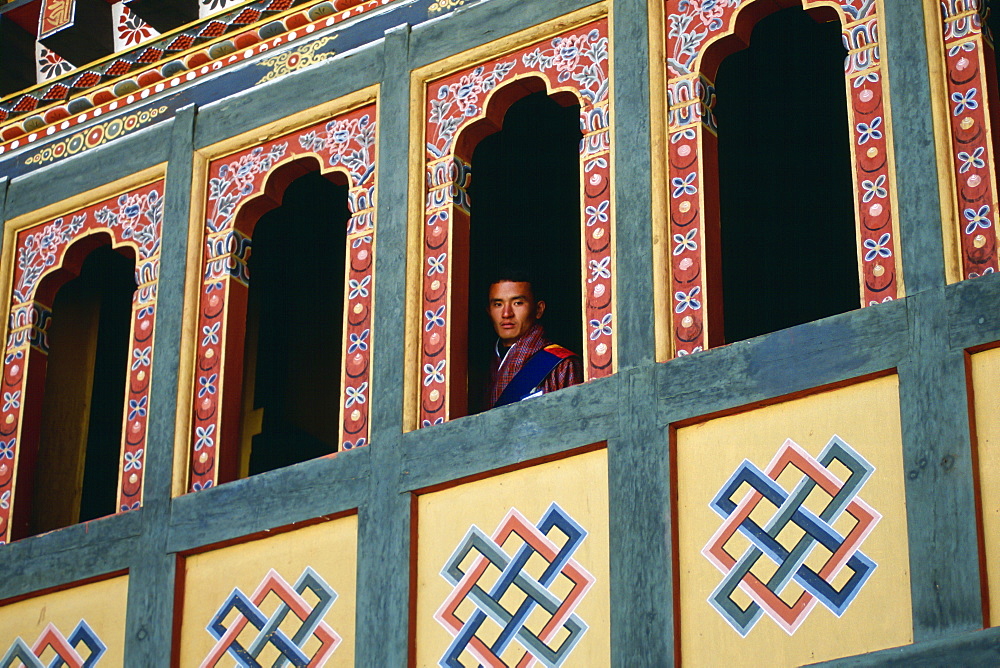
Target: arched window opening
[[991, 26], [293, 339], [788, 240], [80, 428], [992, 97], [525, 214]]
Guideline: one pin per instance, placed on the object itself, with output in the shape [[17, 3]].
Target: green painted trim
[[937, 456], [272, 500], [88, 170], [981, 648], [149, 620], [633, 202], [288, 95], [919, 212], [383, 584], [639, 487], [973, 318], [75, 553], [791, 360]]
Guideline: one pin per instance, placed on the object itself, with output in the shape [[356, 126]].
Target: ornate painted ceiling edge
[[89, 117]]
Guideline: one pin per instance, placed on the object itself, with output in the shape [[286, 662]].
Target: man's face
[[513, 309]]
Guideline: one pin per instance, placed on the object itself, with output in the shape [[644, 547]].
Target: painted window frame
[[571, 56], [131, 214], [342, 137], [970, 201], [692, 182]]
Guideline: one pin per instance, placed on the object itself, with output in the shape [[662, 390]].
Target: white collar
[[503, 358]]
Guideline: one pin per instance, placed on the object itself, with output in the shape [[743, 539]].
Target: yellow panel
[[44, 622], [266, 572], [986, 390], [573, 492], [775, 621]]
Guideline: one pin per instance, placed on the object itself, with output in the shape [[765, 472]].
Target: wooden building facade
[[241, 274]]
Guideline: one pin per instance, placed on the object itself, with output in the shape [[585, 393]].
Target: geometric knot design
[[269, 629], [529, 596], [782, 536], [68, 651]]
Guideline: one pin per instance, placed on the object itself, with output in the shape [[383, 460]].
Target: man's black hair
[[521, 275]]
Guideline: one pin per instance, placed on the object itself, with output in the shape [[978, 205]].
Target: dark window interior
[[525, 199], [295, 313], [992, 27], [76, 478], [788, 233]]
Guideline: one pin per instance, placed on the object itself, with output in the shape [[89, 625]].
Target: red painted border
[[970, 74], [345, 144], [133, 219], [459, 109], [693, 53]]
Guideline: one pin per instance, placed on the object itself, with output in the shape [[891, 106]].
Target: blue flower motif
[[964, 101], [600, 327], [434, 373], [871, 77], [361, 240], [600, 268], [210, 334], [428, 423], [133, 460], [361, 442], [137, 408], [683, 186], [970, 161], [207, 384], [358, 341], [696, 349], [686, 241], [356, 395], [866, 132], [975, 274], [976, 219], [597, 213], [687, 133], [200, 486], [358, 288], [13, 356], [874, 189], [11, 400], [434, 318], [144, 312], [687, 300], [5, 500], [435, 265], [126, 508], [141, 357], [203, 436], [965, 46], [7, 449], [877, 248]]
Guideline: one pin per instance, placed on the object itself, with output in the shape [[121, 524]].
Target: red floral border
[[131, 219], [576, 60], [345, 143], [694, 26]]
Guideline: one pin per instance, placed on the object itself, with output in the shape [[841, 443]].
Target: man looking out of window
[[525, 364]]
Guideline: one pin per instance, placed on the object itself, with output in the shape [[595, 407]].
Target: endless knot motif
[[270, 629], [68, 651], [795, 539], [527, 608]]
